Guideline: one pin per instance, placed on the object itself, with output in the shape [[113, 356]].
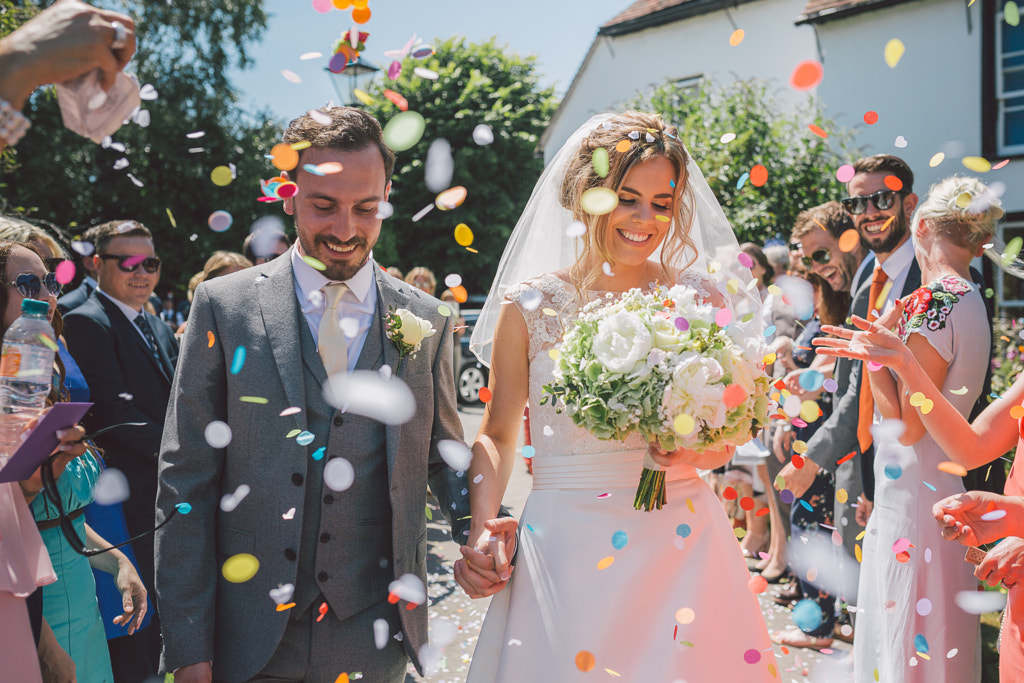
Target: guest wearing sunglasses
[[127, 356]]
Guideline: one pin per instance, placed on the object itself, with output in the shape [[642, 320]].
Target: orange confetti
[[623, 146], [871, 118], [605, 562], [485, 395], [736, 38], [322, 610], [342, 678], [903, 557], [733, 396], [460, 293], [798, 461], [757, 584], [893, 183], [288, 605], [397, 100], [848, 456], [806, 75], [209, 340], [284, 157], [758, 175], [762, 512], [950, 467], [817, 130], [361, 15], [849, 240], [729, 493], [585, 661]]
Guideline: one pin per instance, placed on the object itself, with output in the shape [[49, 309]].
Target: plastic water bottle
[[26, 372]]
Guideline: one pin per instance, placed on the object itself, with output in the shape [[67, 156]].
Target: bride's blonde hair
[[647, 137]]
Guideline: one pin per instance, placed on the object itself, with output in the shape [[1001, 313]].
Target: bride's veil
[[545, 240]]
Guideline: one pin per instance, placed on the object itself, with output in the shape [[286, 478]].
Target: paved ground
[[464, 616]]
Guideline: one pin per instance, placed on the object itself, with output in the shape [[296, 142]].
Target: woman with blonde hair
[[678, 574], [909, 577]]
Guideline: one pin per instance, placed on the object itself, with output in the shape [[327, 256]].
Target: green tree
[[185, 50], [801, 165], [477, 83]]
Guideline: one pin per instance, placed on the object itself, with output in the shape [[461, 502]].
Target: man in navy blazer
[[127, 357]]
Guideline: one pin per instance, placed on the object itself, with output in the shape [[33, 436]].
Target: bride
[[649, 596]]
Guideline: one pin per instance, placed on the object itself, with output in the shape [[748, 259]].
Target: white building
[[958, 89]]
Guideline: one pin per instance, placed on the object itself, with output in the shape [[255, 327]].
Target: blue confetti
[[807, 615], [529, 452], [305, 438], [619, 540], [921, 643], [811, 380], [995, 395], [683, 530], [742, 181], [806, 505], [318, 454], [184, 508], [238, 361], [893, 471], [928, 485], [671, 183], [312, 168], [769, 331], [530, 528]]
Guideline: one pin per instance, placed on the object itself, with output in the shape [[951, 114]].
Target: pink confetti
[[900, 545], [723, 317], [133, 261], [65, 272], [605, 495], [993, 515], [322, 6], [682, 324], [797, 422], [845, 173], [395, 70], [873, 366], [745, 260]]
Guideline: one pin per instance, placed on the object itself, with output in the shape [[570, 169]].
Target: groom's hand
[[485, 569]]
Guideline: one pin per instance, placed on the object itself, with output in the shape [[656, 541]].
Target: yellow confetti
[[221, 176], [893, 52], [927, 406], [714, 267], [472, 250], [240, 568], [663, 219], [605, 562], [363, 96], [917, 398], [769, 359], [684, 424], [842, 496], [809, 411], [924, 656], [685, 616], [740, 532], [689, 506], [555, 354], [977, 164], [936, 159], [170, 217], [463, 235], [963, 200], [861, 535], [959, 392], [733, 286], [252, 399], [598, 201], [775, 290], [860, 556], [613, 673], [799, 446], [549, 311], [293, 433], [300, 145]]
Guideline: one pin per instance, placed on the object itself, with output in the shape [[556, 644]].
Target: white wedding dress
[[657, 597]]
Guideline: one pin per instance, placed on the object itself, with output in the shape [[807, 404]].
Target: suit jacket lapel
[[282, 319], [389, 297], [913, 279], [126, 329]]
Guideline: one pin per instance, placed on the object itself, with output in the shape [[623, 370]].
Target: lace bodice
[[548, 305]]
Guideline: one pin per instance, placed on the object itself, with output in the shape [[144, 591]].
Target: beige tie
[[332, 346]]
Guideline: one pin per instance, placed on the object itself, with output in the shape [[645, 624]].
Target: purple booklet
[[40, 442]]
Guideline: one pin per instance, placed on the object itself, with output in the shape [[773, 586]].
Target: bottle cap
[[34, 307]]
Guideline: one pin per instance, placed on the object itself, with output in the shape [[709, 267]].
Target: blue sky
[[558, 32]]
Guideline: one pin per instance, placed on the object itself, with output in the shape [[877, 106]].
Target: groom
[[259, 342]]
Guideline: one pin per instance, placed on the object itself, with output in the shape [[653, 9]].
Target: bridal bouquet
[[666, 366]]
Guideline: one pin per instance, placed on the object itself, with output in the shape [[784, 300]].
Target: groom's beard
[[336, 270]]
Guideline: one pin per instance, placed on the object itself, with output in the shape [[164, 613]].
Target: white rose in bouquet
[[622, 341]]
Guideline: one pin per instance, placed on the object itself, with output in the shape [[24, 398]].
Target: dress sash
[[598, 471]]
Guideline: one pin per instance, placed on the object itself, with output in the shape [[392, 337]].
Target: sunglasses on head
[[130, 263], [29, 285], [883, 199], [821, 257]]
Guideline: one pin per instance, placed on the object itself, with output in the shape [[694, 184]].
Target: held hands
[[1003, 564], [485, 568], [133, 595], [864, 509], [707, 460], [874, 343], [960, 517], [798, 480]]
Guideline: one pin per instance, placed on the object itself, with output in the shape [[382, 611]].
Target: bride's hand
[[706, 460]]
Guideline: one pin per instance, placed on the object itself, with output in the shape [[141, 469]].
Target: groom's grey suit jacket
[[344, 545]]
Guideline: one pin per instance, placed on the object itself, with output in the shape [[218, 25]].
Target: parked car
[[473, 374]]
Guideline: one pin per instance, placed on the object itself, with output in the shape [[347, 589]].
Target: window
[[1009, 86], [1009, 289]]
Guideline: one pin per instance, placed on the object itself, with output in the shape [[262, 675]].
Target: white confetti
[[195, 135], [231, 500], [576, 229], [148, 93], [425, 73], [120, 163], [319, 116], [531, 299], [900, 141], [136, 181], [339, 474], [384, 210], [111, 487], [980, 602], [381, 630], [289, 515], [452, 280], [366, 393], [439, 166], [291, 76], [422, 212], [455, 453], [483, 135], [218, 434], [282, 594]]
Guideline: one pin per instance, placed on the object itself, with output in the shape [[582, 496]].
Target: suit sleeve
[[190, 472], [838, 436], [94, 348]]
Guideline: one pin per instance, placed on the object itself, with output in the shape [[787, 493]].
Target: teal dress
[[69, 605]]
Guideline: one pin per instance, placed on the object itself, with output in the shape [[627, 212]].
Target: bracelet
[[13, 124]]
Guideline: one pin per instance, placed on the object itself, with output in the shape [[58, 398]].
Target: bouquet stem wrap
[[650, 492]]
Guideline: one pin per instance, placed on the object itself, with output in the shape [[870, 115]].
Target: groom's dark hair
[[348, 129]]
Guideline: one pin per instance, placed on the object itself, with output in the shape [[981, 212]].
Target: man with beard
[[292, 501], [881, 203]]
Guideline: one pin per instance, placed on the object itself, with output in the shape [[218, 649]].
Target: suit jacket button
[[338, 420], [324, 537], [297, 479], [322, 576], [289, 554], [328, 499]]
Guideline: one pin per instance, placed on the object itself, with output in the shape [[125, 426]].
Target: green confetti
[[600, 160], [314, 263], [252, 399], [1011, 13], [430, 515], [293, 433], [444, 310], [48, 342]]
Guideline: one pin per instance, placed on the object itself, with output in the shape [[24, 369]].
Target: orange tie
[[866, 410]]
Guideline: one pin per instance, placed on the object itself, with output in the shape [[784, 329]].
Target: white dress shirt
[[357, 304], [128, 311]]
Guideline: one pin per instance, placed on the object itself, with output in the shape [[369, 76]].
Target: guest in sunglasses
[[127, 356]]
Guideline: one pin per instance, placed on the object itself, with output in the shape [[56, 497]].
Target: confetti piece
[[893, 52], [217, 434], [585, 661], [252, 399], [451, 198], [284, 157], [1011, 13], [806, 75], [817, 130], [993, 515], [404, 130], [742, 181], [736, 37], [599, 159], [314, 263], [871, 118], [1017, 412], [463, 235], [684, 530], [619, 540], [950, 467], [845, 173], [959, 392], [685, 616], [893, 183], [758, 175], [757, 584], [598, 201], [485, 395], [936, 159], [291, 76], [930, 487], [976, 164], [220, 221], [238, 361], [240, 568], [752, 656]]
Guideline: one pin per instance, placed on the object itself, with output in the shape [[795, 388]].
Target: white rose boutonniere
[[407, 331]]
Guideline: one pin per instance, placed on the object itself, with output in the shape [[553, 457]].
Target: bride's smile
[[644, 214]]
